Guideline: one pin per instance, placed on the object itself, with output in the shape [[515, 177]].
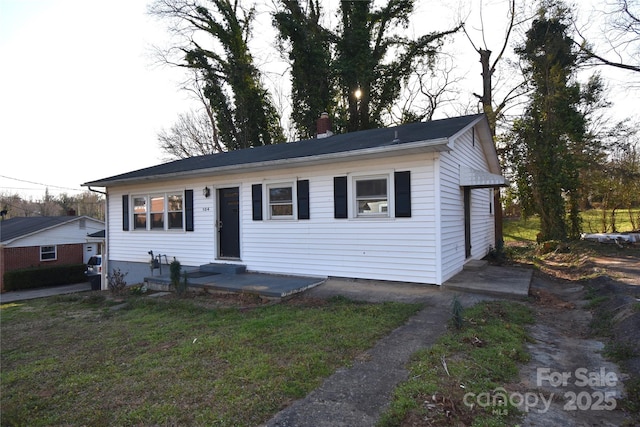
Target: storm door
[[229, 222]]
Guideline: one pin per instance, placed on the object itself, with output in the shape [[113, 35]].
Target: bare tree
[[430, 86], [492, 108], [195, 132], [191, 135], [620, 47]]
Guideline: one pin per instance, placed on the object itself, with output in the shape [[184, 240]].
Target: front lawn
[[526, 230], [88, 360]]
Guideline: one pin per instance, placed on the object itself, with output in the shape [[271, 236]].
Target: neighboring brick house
[[43, 241]]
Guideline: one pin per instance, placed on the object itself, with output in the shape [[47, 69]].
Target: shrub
[[116, 281], [175, 269], [38, 277]]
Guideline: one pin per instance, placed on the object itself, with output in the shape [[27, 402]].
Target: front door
[[229, 222]]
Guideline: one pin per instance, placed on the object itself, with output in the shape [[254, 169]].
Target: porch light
[[206, 191]]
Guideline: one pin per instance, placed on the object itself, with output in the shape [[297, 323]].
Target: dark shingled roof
[[342, 143], [98, 234], [22, 226]]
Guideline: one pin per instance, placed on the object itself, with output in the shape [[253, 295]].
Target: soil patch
[[587, 304]]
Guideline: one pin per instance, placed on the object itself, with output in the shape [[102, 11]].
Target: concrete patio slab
[[234, 278], [492, 280]]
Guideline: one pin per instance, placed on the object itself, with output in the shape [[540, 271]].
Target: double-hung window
[[280, 201], [175, 208], [372, 196], [140, 213], [48, 253], [157, 212]]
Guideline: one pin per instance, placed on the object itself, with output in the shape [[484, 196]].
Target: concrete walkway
[[358, 395], [28, 294]]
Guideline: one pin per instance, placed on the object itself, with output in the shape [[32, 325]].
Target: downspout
[[105, 252]]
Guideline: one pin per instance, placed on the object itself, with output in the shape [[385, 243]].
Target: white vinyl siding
[[190, 248], [467, 152], [398, 249]]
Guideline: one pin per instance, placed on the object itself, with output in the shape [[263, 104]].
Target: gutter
[[96, 191]]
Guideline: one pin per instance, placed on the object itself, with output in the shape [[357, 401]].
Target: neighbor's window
[[372, 198], [281, 201], [174, 211], [140, 213], [47, 253], [157, 212]]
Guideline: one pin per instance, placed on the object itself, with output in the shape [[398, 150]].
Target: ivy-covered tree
[[369, 81], [214, 43], [547, 138], [365, 58], [308, 46]]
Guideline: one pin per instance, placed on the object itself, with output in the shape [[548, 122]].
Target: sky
[[81, 98]]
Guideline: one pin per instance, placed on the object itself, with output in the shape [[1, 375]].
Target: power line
[[39, 183]]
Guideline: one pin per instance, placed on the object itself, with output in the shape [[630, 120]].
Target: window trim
[[269, 204], [169, 211], [151, 212], [165, 211], [388, 177], [55, 253], [134, 215]]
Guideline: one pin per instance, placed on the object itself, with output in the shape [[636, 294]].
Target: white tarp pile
[[617, 238]]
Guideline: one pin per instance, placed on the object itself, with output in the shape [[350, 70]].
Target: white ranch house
[[411, 203]]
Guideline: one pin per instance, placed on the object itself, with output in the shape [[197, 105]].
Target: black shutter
[[188, 210], [256, 201], [403, 194], [340, 197], [125, 212], [303, 199]]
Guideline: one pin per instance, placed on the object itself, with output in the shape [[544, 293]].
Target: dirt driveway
[[588, 313]]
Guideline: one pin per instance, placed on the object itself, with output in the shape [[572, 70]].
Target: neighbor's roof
[[14, 228], [430, 136]]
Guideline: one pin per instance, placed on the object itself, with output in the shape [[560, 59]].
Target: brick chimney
[[323, 126]]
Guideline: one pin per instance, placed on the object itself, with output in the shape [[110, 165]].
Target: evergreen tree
[[547, 138]]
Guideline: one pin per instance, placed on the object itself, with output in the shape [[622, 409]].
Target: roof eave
[[40, 230], [434, 145]]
